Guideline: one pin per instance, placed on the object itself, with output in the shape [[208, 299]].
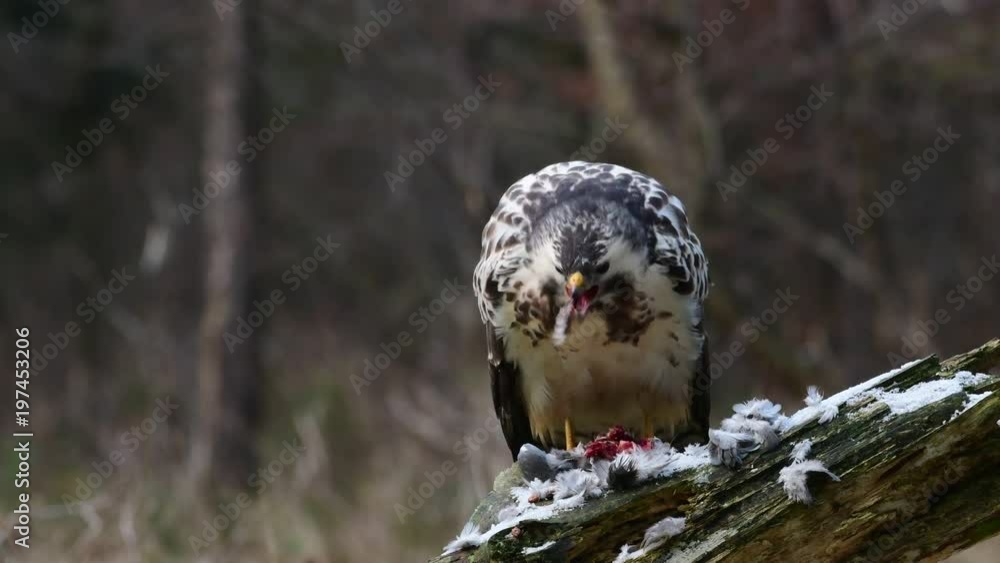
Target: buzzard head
[[587, 251]]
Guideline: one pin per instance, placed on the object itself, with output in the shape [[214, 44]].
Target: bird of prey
[[591, 285]]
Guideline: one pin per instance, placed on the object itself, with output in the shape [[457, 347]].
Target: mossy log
[[914, 487]]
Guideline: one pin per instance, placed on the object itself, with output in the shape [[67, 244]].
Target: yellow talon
[[647, 427], [568, 430]]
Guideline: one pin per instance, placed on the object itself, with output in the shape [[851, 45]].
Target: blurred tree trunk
[[223, 436], [679, 155]]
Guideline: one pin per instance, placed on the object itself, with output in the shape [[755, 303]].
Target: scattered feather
[[622, 473], [816, 409], [575, 501], [760, 419], [533, 550], [800, 451], [695, 455], [577, 482], [470, 536], [533, 491], [662, 531], [728, 448], [727, 440], [696, 450], [625, 554], [509, 512], [653, 462], [762, 409], [561, 460], [601, 467], [524, 509], [793, 479], [813, 396], [655, 536], [826, 411], [761, 430]]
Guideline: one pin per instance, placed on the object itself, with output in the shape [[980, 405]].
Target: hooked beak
[[581, 298]]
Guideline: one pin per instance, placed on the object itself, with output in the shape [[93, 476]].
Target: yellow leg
[[647, 427], [568, 430]]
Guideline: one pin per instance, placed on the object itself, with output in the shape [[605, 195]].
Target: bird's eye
[[602, 268]]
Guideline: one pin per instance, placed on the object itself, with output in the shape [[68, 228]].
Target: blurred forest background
[[302, 111]]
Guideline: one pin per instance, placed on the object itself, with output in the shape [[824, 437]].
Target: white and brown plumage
[[591, 286]]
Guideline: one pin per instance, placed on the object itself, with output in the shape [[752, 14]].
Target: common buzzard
[[591, 285]]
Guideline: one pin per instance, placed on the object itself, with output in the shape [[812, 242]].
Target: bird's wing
[[508, 400], [701, 398], [674, 247]]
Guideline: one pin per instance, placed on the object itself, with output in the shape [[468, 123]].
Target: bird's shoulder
[[529, 199], [673, 245]]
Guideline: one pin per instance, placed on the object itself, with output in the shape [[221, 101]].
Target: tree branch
[[913, 486]]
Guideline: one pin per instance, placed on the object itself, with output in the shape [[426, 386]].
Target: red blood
[[616, 441], [603, 449], [617, 434]]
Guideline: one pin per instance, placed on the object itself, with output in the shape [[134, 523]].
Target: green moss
[[984, 530]]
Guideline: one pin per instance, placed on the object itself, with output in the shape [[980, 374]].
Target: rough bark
[[914, 487]]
